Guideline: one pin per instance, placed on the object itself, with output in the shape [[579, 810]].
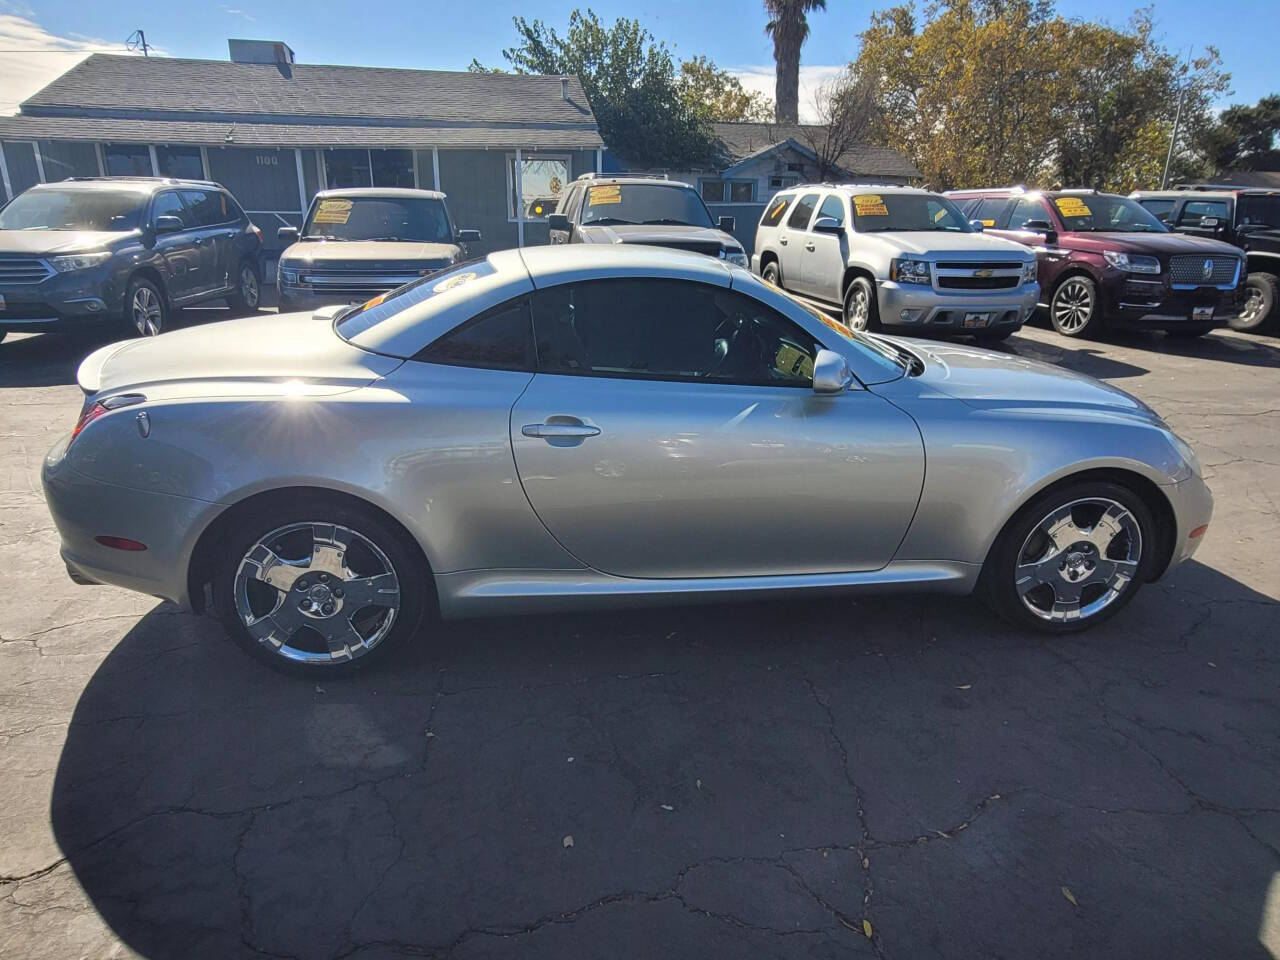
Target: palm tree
[[789, 29]]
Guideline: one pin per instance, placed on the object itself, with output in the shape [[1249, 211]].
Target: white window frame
[[513, 215]]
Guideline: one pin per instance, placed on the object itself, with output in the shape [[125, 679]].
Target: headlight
[[289, 272], [1131, 264], [1185, 452], [736, 257], [79, 261], [1030, 271], [909, 271]]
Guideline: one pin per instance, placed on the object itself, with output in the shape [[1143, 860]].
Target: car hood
[[369, 251], [658, 234], [990, 380], [272, 348], [938, 241], [1151, 243], [53, 242]]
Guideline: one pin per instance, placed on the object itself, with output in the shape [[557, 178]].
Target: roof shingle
[[743, 140]]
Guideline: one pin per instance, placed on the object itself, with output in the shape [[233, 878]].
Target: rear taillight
[[93, 411]]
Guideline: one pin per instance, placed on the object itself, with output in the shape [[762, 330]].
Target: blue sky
[[447, 35]]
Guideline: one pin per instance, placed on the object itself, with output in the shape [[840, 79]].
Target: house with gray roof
[[275, 131]]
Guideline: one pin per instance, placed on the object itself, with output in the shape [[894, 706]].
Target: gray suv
[[898, 257], [86, 251]]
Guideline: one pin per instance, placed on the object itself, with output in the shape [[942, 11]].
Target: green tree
[[704, 85], [1243, 138], [630, 79], [788, 26]]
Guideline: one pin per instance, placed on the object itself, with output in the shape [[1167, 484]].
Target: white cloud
[[760, 79], [42, 58]]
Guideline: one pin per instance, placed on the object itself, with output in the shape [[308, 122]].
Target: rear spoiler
[[89, 376]]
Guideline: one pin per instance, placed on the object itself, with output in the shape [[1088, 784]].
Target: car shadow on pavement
[[1084, 355], [740, 780]]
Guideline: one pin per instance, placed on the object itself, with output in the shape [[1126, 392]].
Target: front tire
[[320, 587], [771, 274], [1071, 558], [248, 293], [861, 312], [1262, 291], [145, 308], [1074, 310]]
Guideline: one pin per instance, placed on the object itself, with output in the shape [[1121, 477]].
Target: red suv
[[1106, 261]]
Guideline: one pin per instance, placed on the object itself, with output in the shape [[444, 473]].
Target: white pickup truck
[[895, 257]]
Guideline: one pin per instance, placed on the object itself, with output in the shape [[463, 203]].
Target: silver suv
[[897, 257]]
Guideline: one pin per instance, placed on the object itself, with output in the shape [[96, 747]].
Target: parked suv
[[893, 256], [1246, 218], [363, 241], [1106, 261], [86, 251], [649, 210]]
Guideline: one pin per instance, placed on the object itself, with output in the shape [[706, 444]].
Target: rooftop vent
[[564, 88], [260, 51]]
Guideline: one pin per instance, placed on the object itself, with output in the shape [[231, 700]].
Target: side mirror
[[287, 234], [831, 374], [727, 224], [1042, 226], [168, 223], [468, 236], [558, 221], [977, 225], [827, 225]]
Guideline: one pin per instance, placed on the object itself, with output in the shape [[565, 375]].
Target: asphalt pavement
[[900, 777]]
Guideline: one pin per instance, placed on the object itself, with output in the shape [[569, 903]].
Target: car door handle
[[197, 241], [809, 246], [551, 430], [782, 241]]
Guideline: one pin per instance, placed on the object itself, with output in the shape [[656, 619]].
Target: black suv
[[83, 251], [651, 210], [1246, 217]]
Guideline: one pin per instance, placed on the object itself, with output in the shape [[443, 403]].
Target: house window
[[185, 163], [369, 168], [781, 183], [728, 191], [542, 179], [127, 160]]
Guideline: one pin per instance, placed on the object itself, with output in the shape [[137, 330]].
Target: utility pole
[[138, 41], [1177, 118]]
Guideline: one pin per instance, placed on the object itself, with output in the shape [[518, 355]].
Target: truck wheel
[[861, 312], [1261, 293], [1073, 309], [770, 274]]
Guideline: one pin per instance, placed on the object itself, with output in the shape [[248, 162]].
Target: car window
[[569, 205], [989, 209], [1196, 210], [169, 204], [832, 207], [1260, 210], [1026, 210], [777, 207], [1160, 209], [386, 305], [498, 339], [208, 207], [668, 330], [802, 211]]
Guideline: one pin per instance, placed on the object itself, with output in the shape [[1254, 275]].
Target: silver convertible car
[[575, 426]]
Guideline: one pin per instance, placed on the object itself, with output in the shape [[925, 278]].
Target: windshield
[[882, 352], [920, 212], [106, 210], [644, 203], [417, 219], [1100, 213]]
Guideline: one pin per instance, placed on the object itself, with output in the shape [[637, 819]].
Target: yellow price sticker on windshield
[[1073, 207], [869, 205], [333, 211], [609, 193]]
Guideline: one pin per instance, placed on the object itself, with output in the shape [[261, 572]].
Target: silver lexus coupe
[[575, 426]]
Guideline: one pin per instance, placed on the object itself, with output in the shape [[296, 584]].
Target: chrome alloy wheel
[[1254, 303], [148, 316], [1078, 560], [317, 592], [249, 292], [857, 308], [1073, 305]]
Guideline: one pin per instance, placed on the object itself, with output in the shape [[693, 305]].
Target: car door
[[1051, 257], [217, 235], [826, 253], [185, 265], [792, 235], [671, 431], [1204, 218]]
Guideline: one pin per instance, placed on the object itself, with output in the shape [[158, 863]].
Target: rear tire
[[1102, 551], [1263, 290], [1074, 310], [289, 583], [247, 296]]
